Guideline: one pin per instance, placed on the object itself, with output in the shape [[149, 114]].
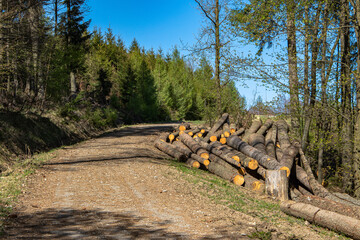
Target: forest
[[52, 61]]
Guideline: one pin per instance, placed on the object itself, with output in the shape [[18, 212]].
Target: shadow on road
[[93, 224]]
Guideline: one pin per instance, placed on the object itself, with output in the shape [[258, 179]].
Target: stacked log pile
[[264, 159]]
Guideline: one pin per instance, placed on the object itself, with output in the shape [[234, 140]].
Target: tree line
[[50, 58]]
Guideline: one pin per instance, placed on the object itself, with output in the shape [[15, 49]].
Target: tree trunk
[[255, 126], [330, 205], [328, 219], [194, 146], [267, 125], [229, 173], [292, 60], [277, 184], [170, 150]]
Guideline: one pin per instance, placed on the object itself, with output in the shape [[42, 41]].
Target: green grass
[[223, 192], [12, 182]]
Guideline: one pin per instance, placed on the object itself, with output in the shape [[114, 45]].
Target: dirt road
[[118, 186]]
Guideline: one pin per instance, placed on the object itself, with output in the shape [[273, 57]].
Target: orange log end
[[238, 180], [181, 133], [200, 135], [171, 137], [278, 145], [196, 164], [182, 128], [232, 130], [236, 158], [213, 138], [287, 170], [202, 131], [191, 133], [204, 155], [227, 134], [257, 185], [223, 140], [206, 162], [253, 164]]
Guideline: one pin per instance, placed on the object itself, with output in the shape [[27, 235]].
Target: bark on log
[[328, 219], [277, 184], [283, 137], [194, 146], [193, 163], [278, 151], [228, 173], [232, 128], [265, 127], [170, 150], [183, 148], [224, 118], [256, 124], [254, 184], [269, 144], [257, 141], [264, 160], [219, 160], [184, 126], [201, 160], [225, 155], [192, 132], [237, 156], [239, 132], [164, 137], [330, 205], [288, 158], [347, 197], [226, 130]]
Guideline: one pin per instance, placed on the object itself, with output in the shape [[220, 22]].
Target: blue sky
[[158, 24]]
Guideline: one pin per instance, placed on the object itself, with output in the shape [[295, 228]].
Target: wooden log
[[232, 128], [264, 160], [256, 124], [269, 144], [192, 132], [226, 130], [194, 146], [164, 137], [278, 151], [265, 127], [225, 155], [239, 132], [183, 148], [215, 158], [228, 173], [170, 150], [288, 158], [254, 184], [184, 126], [334, 221], [347, 197], [213, 136], [224, 118], [277, 184], [330, 205], [172, 137], [257, 141], [283, 128], [201, 160], [193, 163]]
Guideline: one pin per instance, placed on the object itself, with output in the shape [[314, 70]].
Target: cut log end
[[191, 134], [200, 135], [202, 130], [238, 180], [236, 158], [227, 134], [242, 171], [181, 133], [213, 138], [223, 140], [204, 155], [287, 170], [171, 137], [196, 164], [206, 162], [257, 186], [253, 164]]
